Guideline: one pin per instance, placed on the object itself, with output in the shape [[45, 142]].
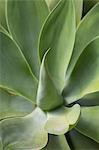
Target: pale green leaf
[[12, 105], [80, 142], [25, 24], [60, 120], [47, 95], [24, 132], [57, 143], [15, 73], [89, 122], [87, 30], [58, 34], [51, 3], [3, 13], [85, 76]]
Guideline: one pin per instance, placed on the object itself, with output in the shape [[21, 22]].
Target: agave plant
[[49, 75]]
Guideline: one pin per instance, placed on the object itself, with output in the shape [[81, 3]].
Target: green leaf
[[78, 10], [25, 25], [2, 14], [81, 142], [90, 99], [87, 5], [12, 105], [57, 143], [58, 34], [24, 132], [15, 73], [60, 120], [87, 30], [85, 76], [51, 3], [47, 95], [89, 122]]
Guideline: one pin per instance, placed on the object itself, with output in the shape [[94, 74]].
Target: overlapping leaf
[[15, 73], [25, 25], [60, 120], [85, 76], [60, 31], [89, 122], [87, 30], [12, 105], [24, 132]]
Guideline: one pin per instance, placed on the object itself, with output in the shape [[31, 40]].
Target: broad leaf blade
[[60, 120], [25, 25], [15, 73], [89, 122], [47, 95], [60, 30], [57, 143], [87, 30], [81, 142], [51, 3], [2, 13], [85, 76], [24, 132], [12, 105]]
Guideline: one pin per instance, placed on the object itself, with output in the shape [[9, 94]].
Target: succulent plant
[[49, 75]]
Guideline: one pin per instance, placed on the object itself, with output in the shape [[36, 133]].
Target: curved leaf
[[25, 25], [87, 5], [47, 95], [60, 30], [81, 142], [51, 3], [2, 14], [57, 143], [59, 121], [85, 76], [87, 30], [88, 123], [12, 105], [90, 100], [24, 132], [14, 71]]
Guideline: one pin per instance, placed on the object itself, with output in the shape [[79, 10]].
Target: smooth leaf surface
[[47, 95], [59, 121], [51, 3], [12, 105], [85, 76], [81, 142], [25, 25], [57, 143], [25, 132], [90, 100], [87, 30], [2, 14], [15, 73], [89, 122], [60, 30]]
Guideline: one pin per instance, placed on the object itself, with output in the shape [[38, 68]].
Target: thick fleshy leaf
[[47, 95], [60, 120], [78, 10], [25, 24], [89, 122], [12, 105], [88, 4], [87, 30], [24, 132], [81, 142], [15, 73], [2, 14], [85, 76], [60, 30], [51, 3], [90, 100], [57, 143]]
